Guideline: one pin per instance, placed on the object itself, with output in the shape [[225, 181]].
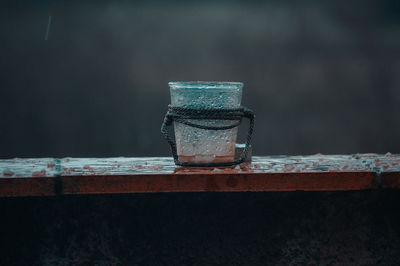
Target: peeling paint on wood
[[49, 167], [159, 174]]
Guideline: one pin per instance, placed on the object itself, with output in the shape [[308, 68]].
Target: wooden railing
[[50, 176]]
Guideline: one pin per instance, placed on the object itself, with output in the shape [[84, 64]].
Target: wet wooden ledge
[[52, 176]]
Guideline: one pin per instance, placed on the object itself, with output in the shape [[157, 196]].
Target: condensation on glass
[[199, 145]]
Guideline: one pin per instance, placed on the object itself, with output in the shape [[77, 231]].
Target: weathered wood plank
[[49, 176], [49, 167]]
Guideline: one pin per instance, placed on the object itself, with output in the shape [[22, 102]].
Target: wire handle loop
[[183, 114]]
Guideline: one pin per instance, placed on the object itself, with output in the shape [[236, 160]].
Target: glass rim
[[205, 84]]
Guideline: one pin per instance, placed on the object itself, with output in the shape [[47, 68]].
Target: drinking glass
[[202, 145]]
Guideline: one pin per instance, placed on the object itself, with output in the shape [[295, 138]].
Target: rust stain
[[8, 173], [288, 168], [39, 173], [246, 167], [87, 167], [68, 171]]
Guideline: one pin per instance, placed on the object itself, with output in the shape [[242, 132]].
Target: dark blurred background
[[286, 228], [322, 76]]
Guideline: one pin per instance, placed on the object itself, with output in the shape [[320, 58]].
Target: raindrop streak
[[46, 36]]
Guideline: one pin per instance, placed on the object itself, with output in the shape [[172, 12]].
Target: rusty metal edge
[[390, 180], [38, 186], [149, 183]]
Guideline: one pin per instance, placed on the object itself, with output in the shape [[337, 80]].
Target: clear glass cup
[[200, 145]]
